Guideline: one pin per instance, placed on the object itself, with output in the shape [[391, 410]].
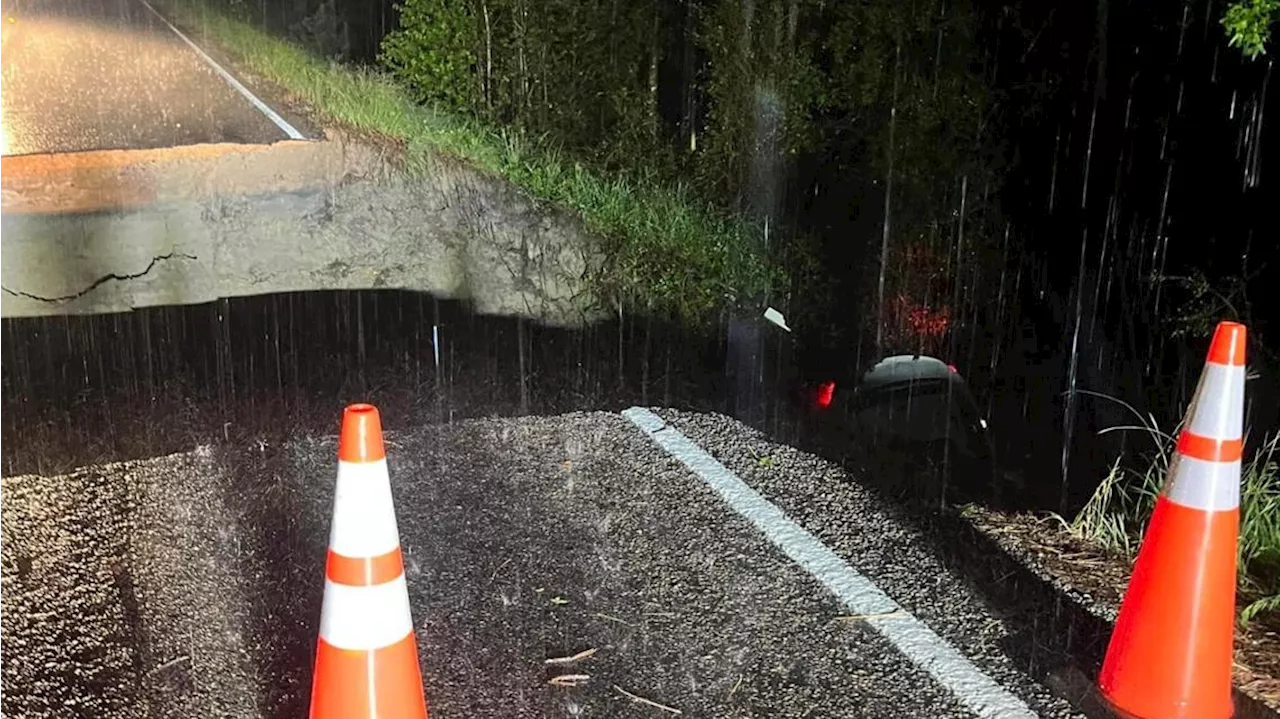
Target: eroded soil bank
[[111, 231]]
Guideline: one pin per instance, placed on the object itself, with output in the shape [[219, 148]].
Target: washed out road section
[[196, 584], [111, 74]]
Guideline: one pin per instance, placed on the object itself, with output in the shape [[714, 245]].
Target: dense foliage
[[666, 250], [1248, 25], [739, 99], [791, 113]]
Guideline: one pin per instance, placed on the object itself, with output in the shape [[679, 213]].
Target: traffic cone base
[[1179, 659], [345, 683]]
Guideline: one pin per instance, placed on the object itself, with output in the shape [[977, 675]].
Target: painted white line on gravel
[[860, 595], [280, 122]]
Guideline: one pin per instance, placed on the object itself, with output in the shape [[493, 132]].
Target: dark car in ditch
[[911, 423]]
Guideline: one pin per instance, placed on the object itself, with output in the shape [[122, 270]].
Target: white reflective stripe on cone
[[365, 617], [1219, 408], [1208, 486], [364, 518]]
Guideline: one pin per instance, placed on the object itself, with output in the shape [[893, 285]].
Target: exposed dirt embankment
[[111, 231]]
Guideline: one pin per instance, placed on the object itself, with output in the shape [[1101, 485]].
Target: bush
[[1248, 25], [431, 52], [1116, 516]]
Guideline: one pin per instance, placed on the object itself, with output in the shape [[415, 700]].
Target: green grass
[[664, 250], [1117, 513]]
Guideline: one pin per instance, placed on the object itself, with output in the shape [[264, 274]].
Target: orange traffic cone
[[367, 656], [1170, 653]]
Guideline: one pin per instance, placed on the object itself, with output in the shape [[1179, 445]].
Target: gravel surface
[[874, 538], [118, 598], [192, 582]]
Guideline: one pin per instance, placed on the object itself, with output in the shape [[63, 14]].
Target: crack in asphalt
[[101, 280]]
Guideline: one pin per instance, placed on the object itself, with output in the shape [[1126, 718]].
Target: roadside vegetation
[[709, 145], [1117, 514], [1248, 25], [666, 250]]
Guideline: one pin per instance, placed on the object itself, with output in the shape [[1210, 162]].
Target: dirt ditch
[[1033, 563]]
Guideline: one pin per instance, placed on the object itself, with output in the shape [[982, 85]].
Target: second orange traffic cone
[[1170, 653], [367, 657]]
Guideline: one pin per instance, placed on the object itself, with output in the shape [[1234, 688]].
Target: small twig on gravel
[[1081, 558], [642, 700], [734, 690], [614, 619], [169, 665], [570, 660], [864, 617], [569, 680], [987, 628], [494, 576]]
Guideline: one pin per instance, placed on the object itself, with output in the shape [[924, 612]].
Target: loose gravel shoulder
[[878, 540], [190, 585], [121, 596]]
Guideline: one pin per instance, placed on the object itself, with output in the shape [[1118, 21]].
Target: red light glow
[[826, 392]]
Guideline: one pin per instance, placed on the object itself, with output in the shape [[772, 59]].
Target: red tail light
[[826, 392], [953, 369]]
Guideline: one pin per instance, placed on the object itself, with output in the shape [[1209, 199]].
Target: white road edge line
[[977, 691], [280, 122]]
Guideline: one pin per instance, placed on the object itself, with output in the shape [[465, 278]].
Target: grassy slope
[[666, 251]]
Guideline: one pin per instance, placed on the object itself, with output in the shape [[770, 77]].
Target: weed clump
[[1116, 516]]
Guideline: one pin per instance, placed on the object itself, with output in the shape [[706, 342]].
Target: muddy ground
[[1094, 580]]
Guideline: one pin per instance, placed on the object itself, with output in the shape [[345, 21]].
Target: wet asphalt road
[[108, 74], [190, 585]]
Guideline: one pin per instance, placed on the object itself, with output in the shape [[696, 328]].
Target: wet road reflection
[[82, 75]]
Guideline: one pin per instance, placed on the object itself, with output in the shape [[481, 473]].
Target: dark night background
[[1128, 139], [1115, 202]]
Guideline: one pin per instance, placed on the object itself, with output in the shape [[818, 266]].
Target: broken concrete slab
[[111, 231]]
